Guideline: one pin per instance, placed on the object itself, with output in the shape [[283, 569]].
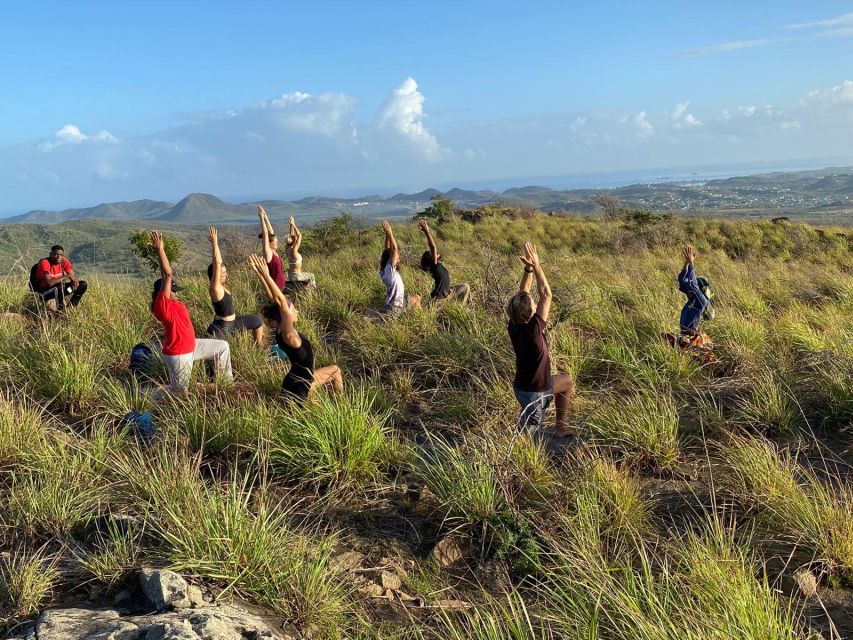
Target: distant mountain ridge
[[830, 188]]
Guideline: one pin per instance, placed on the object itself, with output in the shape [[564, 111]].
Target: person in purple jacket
[[697, 302]]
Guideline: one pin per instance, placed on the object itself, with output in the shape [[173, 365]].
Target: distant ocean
[[606, 180]]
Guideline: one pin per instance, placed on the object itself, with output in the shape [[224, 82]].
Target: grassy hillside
[[702, 498]]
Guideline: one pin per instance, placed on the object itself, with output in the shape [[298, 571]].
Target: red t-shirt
[[180, 334], [46, 269], [277, 271]]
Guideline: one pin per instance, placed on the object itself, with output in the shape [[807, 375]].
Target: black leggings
[[222, 328], [57, 292]]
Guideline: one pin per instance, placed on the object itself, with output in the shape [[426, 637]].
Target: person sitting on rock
[[281, 316], [225, 319], [534, 385], [269, 244], [53, 278], [180, 346], [297, 279], [432, 264], [396, 301]]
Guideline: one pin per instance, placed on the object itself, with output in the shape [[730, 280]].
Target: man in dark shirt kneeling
[[431, 263]]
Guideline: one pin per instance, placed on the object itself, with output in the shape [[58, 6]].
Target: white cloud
[[70, 134], [725, 47], [403, 113], [747, 110], [643, 126], [681, 119], [846, 19]]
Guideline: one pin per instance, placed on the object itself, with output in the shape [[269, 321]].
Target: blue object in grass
[[141, 425], [276, 353]]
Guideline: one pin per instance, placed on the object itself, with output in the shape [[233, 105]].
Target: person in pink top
[[270, 250], [180, 346]]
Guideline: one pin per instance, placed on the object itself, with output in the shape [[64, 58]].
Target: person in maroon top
[[270, 250], [54, 279], [534, 386], [180, 347]]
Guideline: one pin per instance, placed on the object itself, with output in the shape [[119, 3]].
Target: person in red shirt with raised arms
[[180, 346], [55, 278]]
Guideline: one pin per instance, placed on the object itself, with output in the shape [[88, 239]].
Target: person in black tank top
[[534, 385], [225, 319], [281, 316], [432, 264]]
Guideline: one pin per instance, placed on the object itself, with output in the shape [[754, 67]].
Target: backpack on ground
[[144, 359], [708, 291]]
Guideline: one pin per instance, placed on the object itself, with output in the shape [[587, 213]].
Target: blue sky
[[107, 101]]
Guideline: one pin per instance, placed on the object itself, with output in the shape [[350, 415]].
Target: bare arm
[[217, 291], [531, 259], [390, 242], [266, 230], [287, 328], [165, 267], [433, 249], [297, 235]]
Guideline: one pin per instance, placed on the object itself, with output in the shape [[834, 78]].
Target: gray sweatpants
[[180, 367]]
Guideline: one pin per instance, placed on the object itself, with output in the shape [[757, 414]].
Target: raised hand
[[386, 227], [423, 226], [261, 212], [212, 235], [530, 257], [258, 264], [291, 221], [689, 254], [156, 240]]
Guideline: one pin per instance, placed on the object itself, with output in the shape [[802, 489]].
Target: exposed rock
[[806, 582], [164, 588], [448, 551], [372, 589], [347, 561], [215, 623], [172, 630], [196, 597], [78, 623], [391, 581]]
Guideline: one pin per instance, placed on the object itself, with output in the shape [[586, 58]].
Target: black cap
[[158, 284]]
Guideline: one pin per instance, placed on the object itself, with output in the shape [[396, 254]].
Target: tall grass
[[792, 501]]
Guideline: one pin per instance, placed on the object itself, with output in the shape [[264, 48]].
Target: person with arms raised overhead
[[534, 385], [281, 316], [180, 347], [297, 279], [396, 301], [432, 264], [225, 320], [697, 302], [269, 243], [53, 278], [697, 307]]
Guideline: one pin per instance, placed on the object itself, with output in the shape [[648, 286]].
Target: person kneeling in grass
[[297, 279], [180, 347], [432, 264], [396, 301], [225, 320], [534, 386], [697, 306], [281, 316]]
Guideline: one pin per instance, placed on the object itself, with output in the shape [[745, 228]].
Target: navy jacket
[[691, 314]]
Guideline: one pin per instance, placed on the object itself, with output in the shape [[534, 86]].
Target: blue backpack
[[143, 358]]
